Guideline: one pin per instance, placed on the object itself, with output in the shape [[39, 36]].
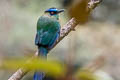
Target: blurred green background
[[101, 35]]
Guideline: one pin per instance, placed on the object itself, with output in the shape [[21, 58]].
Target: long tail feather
[[42, 53], [38, 76]]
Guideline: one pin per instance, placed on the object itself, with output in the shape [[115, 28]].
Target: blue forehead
[[51, 10]]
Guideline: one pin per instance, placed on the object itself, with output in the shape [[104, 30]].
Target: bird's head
[[54, 12]]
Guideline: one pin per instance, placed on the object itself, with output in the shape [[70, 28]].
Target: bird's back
[[47, 30], [48, 24]]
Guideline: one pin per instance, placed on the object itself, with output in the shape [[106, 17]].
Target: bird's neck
[[56, 16]]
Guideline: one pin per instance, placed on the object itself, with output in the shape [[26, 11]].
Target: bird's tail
[[39, 76], [42, 52]]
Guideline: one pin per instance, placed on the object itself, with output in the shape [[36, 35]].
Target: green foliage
[[53, 68]]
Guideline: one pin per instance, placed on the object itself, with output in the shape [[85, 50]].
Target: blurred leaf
[[79, 10], [53, 68]]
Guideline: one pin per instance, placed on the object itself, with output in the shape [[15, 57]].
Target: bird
[[48, 31]]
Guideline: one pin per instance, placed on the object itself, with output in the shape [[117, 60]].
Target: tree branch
[[67, 28]]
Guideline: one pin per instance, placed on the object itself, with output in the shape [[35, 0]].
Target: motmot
[[48, 31]]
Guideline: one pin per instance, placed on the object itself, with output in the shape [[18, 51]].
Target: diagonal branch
[[67, 28]]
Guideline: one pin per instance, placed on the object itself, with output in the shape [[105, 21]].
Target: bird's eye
[[52, 13]]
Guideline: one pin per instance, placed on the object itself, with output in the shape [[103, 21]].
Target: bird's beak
[[61, 10]]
